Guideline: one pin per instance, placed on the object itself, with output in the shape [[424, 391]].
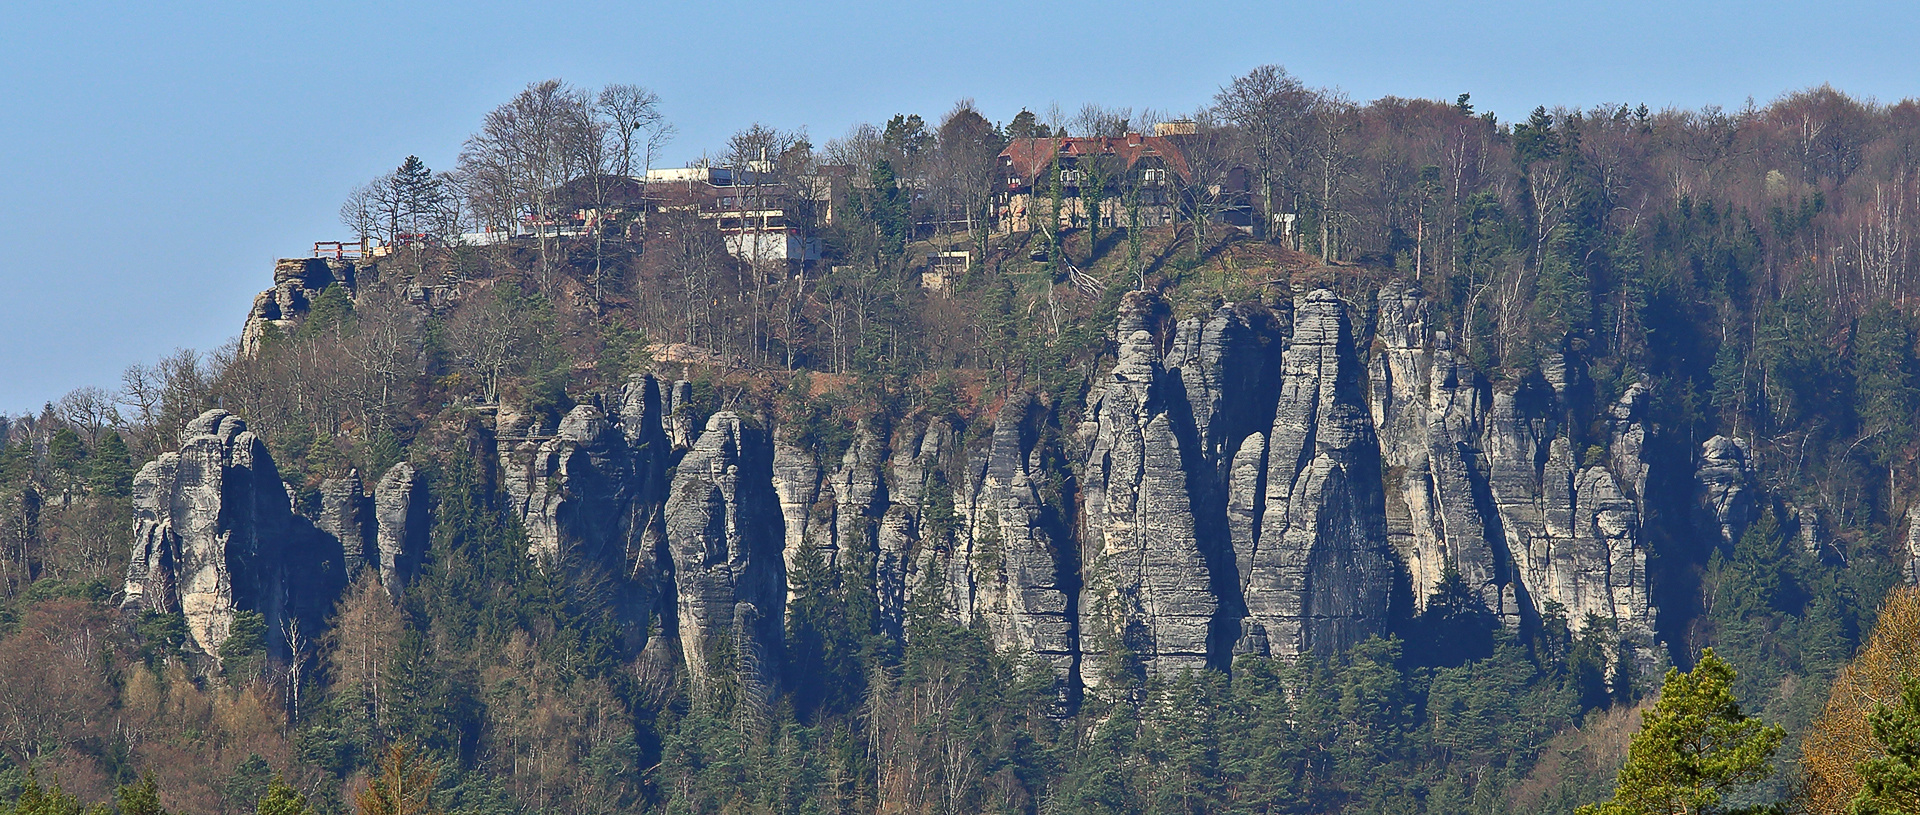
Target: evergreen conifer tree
[[283, 799], [1891, 782], [112, 467], [1693, 747]]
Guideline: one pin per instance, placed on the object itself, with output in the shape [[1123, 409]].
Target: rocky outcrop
[[796, 479], [1484, 481], [345, 514], [579, 492], [1279, 479], [678, 422], [1019, 567], [724, 533], [296, 283], [1910, 551], [1429, 415], [1148, 587], [400, 517], [215, 534], [1726, 495], [920, 528], [1239, 498], [1320, 572]]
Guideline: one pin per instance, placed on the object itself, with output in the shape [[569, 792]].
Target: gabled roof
[[1029, 158]]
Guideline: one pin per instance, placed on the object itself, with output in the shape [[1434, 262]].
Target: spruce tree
[[65, 450], [112, 467], [142, 798]]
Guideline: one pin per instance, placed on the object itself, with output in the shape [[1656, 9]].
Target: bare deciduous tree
[[90, 411], [966, 164], [1096, 121], [525, 150], [360, 214], [489, 334], [1331, 116], [634, 124], [366, 633], [1269, 108]]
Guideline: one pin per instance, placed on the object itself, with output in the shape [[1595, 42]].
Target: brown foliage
[[53, 680], [401, 787], [1580, 758], [544, 728], [366, 632], [192, 738], [86, 540], [1841, 738]]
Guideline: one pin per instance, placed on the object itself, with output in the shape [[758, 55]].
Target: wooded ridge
[[1292, 454]]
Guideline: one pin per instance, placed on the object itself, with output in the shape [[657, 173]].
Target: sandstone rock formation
[[400, 516], [1910, 565], [296, 282], [1320, 571], [724, 531], [215, 534], [1020, 569], [1275, 479], [1430, 417], [1148, 587], [345, 514], [1725, 476]]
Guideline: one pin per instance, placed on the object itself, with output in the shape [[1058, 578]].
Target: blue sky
[[156, 158]]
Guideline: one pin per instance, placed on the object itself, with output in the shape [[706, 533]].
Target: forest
[[1749, 271]]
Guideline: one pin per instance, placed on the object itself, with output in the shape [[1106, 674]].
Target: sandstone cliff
[[296, 282], [215, 533], [1274, 479]]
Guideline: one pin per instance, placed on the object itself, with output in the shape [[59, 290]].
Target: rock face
[[1019, 569], [1430, 419], [1270, 491], [1910, 568], [1282, 479], [1321, 571], [400, 516], [296, 283], [1488, 484], [724, 531], [1149, 589], [578, 483], [215, 534], [1725, 476], [346, 514]]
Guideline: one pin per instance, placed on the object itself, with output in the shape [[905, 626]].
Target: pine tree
[[283, 799], [1891, 782], [1693, 747], [1886, 380], [418, 196], [65, 450], [34, 800]]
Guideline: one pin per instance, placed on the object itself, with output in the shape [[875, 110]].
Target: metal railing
[[340, 250]]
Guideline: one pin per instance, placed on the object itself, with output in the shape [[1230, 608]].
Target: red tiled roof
[[1029, 158]]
